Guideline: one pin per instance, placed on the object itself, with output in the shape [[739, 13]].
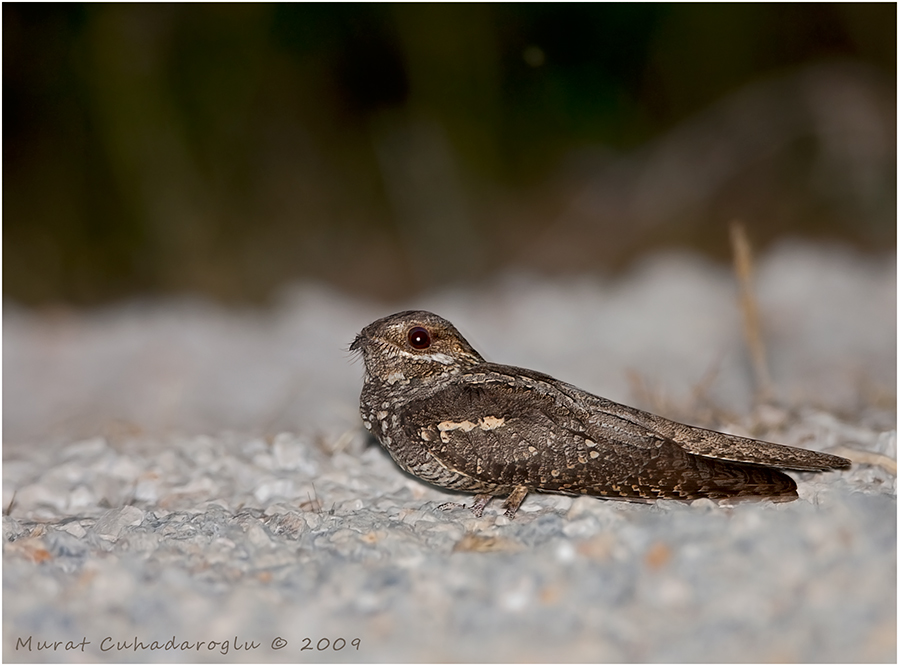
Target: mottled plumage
[[452, 419]]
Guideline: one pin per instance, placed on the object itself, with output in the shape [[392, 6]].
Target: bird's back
[[500, 427]]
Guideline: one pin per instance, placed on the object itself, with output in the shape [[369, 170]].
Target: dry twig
[[749, 305]]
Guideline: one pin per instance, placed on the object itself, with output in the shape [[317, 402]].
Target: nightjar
[[452, 419]]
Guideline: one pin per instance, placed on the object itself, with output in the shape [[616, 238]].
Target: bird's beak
[[356, 345]]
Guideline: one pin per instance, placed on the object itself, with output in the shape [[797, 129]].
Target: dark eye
[[419, 337]]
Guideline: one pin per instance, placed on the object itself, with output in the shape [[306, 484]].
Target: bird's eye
[[419, 337]]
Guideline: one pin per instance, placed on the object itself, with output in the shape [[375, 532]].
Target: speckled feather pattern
[[454, 420]]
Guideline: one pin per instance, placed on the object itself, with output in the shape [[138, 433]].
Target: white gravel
[[177, 474]]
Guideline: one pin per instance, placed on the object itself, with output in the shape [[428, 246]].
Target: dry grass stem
[[749, 305]]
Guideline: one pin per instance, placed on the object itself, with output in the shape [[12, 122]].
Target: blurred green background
[[226, 150]]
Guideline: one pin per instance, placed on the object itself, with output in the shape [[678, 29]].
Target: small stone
[[81, 497], [87, 448], [75, 528], [111, 523]]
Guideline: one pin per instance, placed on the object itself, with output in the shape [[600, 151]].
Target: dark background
[[225, 150]]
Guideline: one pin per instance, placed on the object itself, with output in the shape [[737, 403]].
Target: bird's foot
[[449, 506], [477, 508], [480, 501], [514, 500]]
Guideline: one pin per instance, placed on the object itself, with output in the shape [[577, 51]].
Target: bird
[[457, 421]]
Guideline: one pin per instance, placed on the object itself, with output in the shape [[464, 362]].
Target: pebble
[[111, 523]]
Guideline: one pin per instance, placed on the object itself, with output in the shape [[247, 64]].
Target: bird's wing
[[517, 430], [717, 445]]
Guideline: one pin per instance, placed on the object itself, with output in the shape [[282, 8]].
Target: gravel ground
[[195, 480]]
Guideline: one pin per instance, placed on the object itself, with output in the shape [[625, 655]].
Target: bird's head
[[411, 345]]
